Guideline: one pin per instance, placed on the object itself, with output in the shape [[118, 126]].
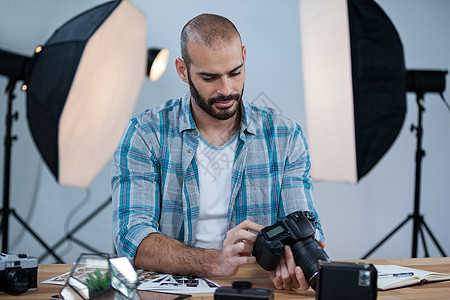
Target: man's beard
[[207, 104]]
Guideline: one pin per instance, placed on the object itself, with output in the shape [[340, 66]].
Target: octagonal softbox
[[83, 87]]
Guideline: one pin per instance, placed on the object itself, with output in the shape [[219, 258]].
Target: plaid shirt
[[155, 184]]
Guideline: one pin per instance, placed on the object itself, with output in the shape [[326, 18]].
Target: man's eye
[[208, 78], [235, 74]]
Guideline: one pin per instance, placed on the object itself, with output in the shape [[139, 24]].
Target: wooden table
[[259, 278]]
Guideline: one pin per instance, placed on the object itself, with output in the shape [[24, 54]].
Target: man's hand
[[167, 255], [288, 275], [237, 249]]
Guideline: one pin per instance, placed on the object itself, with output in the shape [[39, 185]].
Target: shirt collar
[[186, 119]]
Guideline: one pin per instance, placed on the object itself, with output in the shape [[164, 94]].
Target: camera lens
[[17, 281], [306, 255]]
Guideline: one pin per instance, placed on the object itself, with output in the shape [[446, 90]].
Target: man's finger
[[241, 233], [301, 278], [278, 281], [290, 263], [248, 225], [275, 280], [243, 248], [244, 235], [244, 260], [284, 272]]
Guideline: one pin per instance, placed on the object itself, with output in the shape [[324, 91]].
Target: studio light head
[[425, 81], [12, 65]]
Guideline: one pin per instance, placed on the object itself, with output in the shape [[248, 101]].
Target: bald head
[[206, 29]]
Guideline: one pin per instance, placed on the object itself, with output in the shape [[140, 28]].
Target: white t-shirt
[[215, 166]]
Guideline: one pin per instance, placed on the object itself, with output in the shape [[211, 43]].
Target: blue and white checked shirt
[[155, 184]]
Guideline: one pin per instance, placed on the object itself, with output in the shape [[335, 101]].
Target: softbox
[[82, 88], [354, 82]]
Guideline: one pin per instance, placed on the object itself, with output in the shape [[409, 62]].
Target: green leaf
[[106, 282], [98, 282], [92, 282], [99, 275]]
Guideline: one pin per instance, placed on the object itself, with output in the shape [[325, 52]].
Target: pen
[[397, 274]]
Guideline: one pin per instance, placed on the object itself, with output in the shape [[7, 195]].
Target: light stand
[[419, 82], [6, 210]]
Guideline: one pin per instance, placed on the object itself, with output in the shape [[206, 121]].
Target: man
[[195, 179]]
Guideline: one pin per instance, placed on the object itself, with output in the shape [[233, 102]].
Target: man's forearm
[[163, 254]]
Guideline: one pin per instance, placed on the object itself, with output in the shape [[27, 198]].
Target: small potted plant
[[98, 276], [99, 285]]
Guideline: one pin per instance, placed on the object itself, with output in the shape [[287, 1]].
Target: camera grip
[[268, 253]]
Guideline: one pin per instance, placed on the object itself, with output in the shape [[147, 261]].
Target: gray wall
[[355, 217]]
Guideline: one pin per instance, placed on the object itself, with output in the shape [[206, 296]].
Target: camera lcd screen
[[274, 231]]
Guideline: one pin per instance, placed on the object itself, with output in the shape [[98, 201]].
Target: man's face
[[219, 107], [216, 78]]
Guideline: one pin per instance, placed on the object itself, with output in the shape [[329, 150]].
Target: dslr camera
[[18, 273], [296, 230]]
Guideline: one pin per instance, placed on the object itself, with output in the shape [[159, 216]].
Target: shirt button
[[190, 151], [195, 133]]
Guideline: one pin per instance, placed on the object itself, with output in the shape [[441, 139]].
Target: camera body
[[296, 230], [242, 290], [18, 273]]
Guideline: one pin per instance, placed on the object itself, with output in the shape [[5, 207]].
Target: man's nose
[[225, 87]]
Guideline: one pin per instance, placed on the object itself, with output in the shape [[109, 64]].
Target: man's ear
[[244, 53], [180, 65]]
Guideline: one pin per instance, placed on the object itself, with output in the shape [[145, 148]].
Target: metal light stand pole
[[417, 217], [418, 220], [6, 210]]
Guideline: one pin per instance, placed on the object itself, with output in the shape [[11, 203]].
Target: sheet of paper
[[177, 284], [154, 281], [81, 275]]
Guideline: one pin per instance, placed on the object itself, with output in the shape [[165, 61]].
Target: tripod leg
[[434, 239], [387, 237], [1, 222], [58, 259], [425, 248], [86, 246]]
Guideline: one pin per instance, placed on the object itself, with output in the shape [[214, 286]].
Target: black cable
[[70, 216], [445, 101]]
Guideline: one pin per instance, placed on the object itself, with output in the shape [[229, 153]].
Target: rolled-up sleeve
[[296, 183], [135, 191]]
